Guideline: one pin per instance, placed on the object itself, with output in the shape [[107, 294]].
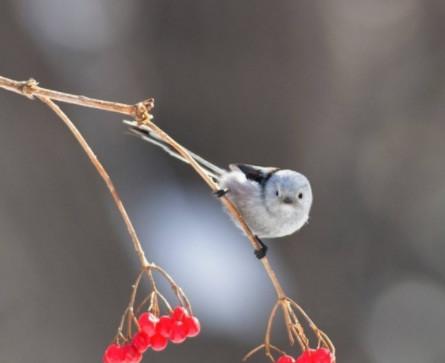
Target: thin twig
[[287, 322], [262, 346], [103, 173], [30, 88], [269, 330]]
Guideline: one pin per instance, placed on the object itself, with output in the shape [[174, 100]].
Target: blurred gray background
[[351, 93]]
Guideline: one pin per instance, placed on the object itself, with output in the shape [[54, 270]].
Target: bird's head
[[288, 192]]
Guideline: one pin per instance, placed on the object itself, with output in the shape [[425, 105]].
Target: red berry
[[305, 357], [320, 355], [164, 326], [141, 341], [132, 355], [286, 359], [179, 313], [114, 354], [158, 342], [193, 326], [179, 332], [147, 323]]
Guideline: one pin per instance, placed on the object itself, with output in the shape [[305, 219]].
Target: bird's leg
[[221, 192], [260, 253]]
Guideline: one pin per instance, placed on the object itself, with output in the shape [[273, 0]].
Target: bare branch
[[103, 173], [30, 88]]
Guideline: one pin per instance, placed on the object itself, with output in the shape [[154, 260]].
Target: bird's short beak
[[288, 200]]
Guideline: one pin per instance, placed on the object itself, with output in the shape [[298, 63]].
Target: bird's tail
[[147, 135]]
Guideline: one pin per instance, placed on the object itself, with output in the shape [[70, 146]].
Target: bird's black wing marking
[[256, 173]]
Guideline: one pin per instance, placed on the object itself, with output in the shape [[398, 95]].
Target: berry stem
[[34, 90], [263, 346]]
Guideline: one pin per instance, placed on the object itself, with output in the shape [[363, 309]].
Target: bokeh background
[[351, 93]]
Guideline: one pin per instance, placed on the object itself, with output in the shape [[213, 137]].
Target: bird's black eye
[[277, 193], [300, 196]]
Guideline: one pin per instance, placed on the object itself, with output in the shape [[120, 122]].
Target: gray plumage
[[274, 202]]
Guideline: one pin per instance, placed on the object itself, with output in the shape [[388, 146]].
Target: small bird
[[274, 202]]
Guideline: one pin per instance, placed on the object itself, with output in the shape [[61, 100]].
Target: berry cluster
[[154, 332], [320, 355]]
